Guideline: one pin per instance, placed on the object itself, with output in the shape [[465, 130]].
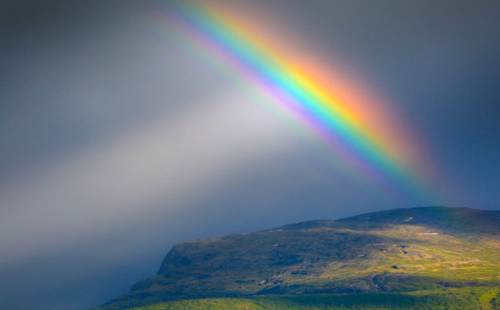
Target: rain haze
[[121, 135]]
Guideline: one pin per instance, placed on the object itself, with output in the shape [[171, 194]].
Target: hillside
[[413, 253]]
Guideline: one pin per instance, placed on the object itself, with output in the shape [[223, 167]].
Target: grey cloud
[[118, 141], [104, 186]]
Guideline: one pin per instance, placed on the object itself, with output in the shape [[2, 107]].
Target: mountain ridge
[[399, 250]]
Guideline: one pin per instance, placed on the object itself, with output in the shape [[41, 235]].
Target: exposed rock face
[[396, 250]]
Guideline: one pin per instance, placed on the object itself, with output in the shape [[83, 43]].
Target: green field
[[449, 299]]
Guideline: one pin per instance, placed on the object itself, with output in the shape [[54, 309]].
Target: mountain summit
[[395, 251]]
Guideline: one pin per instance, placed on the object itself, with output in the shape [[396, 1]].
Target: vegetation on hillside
[[420, 256], [450, 299]]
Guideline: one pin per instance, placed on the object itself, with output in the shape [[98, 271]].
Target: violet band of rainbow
[[349, 126]]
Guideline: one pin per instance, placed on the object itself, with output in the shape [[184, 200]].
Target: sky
[[127, 127]]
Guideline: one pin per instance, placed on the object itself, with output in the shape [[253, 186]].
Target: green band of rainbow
[[358, 128]]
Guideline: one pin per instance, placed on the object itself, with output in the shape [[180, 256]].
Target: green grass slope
[[402, 251], [450, 299]]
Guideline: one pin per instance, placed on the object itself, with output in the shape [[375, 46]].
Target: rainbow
[[355, 122]]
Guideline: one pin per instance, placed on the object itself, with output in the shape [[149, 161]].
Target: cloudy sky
[[120, 136]]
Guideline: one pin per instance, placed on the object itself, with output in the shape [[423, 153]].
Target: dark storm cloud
[[116, 143], [66, 64], [45, 44], [438, 62]]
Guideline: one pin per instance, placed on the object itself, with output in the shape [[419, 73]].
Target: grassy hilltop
[[422, 258]]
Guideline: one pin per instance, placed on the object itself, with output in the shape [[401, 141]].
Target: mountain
[[419, 255]]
